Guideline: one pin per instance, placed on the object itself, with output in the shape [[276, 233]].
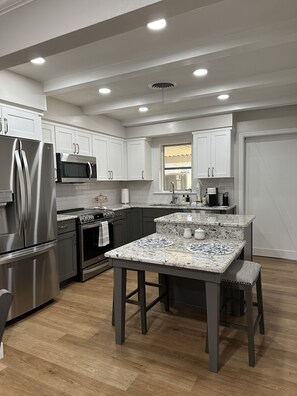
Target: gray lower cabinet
[[119, 229], [148, 216], [67, 254]]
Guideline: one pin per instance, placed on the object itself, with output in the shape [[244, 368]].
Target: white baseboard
[[284, 254], [1, 351]]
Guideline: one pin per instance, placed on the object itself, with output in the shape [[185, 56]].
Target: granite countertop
[[226, 220], [167, 206], [177, 254]]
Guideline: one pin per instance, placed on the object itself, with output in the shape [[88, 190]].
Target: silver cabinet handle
[[77, 145], [112, 174], [74, 148], [0, 124], [212, 172], [208, 170], [142, 175], [62, 227], [5, 126], [108, 175]]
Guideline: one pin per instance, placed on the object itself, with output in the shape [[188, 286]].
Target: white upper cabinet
[[72, 141], [212, 153], [109, 153], [20, 123], [139, 166], [48, 136]]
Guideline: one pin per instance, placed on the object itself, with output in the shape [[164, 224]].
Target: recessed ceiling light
[[143, 109], [104, 91], [223, 97], [38, 61], [157, 25], [200, 72]]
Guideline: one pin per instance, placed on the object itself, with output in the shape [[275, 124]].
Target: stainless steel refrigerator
[[28, 223]]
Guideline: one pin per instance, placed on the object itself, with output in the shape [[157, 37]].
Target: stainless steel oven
[[91, 260], [91, 256]]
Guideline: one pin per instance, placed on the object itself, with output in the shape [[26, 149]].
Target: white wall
[[19, 90], [58, 111]]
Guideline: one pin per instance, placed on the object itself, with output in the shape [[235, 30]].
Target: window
[[177, 167]]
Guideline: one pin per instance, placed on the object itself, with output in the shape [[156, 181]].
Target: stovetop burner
[[88, 215]]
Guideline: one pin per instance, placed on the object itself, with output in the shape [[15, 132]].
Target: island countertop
[[224, 220], [177, 254]]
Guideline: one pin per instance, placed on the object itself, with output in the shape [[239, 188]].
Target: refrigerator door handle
[[28, 185], [21, 207]]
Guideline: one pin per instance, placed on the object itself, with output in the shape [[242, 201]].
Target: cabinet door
[[48, 136], [118, 232], [83, 143], [67, 257], [20, 123], [65, 140], [100, 151], [221, 154], [202, 155], [138, 160], [137, 223], [116, 159]]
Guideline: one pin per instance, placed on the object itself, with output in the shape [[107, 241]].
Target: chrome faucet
[[173, 197]]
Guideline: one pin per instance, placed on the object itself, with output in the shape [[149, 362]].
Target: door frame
[[242, 158]]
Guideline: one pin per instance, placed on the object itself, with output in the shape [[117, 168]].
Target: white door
[[135, 160], [21, 123], [270, 194], [221, 155], [48, 136], [65, 140], [116, 159], [100, 151], [83, 143], [201, 155]]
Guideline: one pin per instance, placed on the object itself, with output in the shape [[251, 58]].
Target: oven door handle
[[95, 224]]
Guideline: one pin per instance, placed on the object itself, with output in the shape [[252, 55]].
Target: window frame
[[175, 168]]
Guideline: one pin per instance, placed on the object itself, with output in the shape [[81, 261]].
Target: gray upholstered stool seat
[[244, 275], [242, 271]]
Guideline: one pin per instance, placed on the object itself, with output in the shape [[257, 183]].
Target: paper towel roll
[[125, 196]]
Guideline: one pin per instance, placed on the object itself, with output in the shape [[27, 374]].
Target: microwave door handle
[[28, 183], [21, 205], [90, 169]]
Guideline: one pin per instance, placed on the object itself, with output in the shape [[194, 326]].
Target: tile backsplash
[[83, 194]]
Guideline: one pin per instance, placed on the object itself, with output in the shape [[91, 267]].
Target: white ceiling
[[9, 5], [248, 47]]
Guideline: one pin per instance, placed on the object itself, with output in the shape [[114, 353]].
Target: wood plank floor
[[67, 348]]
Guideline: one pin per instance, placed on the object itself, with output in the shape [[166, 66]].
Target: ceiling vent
[[163, 85]]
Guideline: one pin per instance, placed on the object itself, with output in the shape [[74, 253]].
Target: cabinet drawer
[[66, 226]]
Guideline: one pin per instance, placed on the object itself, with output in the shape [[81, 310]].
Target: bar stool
[[141, 300], [244, 275], [5, 304]]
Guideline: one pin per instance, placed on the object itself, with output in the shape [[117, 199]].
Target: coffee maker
[[213, 196]]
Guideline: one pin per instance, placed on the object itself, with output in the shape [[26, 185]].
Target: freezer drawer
[[31, 275]]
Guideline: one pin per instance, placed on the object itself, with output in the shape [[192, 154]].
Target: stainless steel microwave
[[73, 168]]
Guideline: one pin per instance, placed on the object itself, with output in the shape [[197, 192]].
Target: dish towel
[[103, 238]]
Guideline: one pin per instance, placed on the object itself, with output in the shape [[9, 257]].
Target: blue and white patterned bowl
[[210, 248], [154, 242]]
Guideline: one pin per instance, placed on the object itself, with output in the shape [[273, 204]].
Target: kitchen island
[[170, 255]]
